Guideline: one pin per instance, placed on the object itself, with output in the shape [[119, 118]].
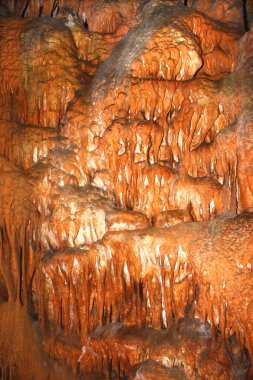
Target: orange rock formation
[[126, 171]]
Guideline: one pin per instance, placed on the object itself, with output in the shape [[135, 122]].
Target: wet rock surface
[[126, 225]]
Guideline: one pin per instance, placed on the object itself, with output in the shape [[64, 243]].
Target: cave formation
[[126, 198]]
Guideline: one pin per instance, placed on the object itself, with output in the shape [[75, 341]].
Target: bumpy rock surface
[[126, 172]]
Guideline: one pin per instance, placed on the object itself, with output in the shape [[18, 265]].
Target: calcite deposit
[[126, 197]]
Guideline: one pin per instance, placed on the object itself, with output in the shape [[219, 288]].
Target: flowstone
[[126, 172]]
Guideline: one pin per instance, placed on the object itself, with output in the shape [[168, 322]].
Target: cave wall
[[126, 189]]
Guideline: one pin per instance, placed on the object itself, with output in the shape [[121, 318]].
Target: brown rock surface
[[126, 172], [223, 10]]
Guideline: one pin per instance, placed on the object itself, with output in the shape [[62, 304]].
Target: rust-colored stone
[[126, 172]]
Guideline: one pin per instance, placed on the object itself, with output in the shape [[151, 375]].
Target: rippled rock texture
[[126, 172]]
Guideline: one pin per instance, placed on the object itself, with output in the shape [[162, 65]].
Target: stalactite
[[126, 190]]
